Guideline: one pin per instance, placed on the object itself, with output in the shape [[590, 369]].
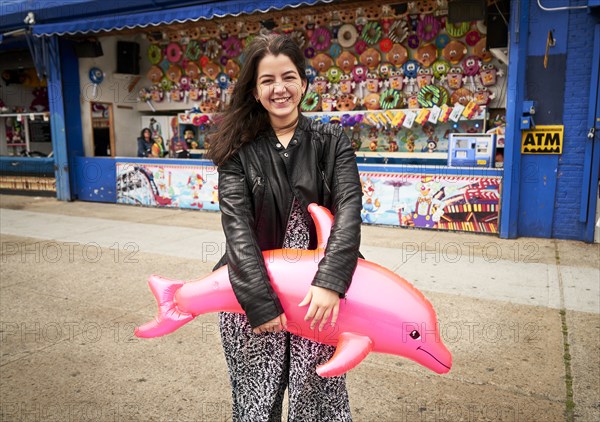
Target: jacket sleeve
[[246, 265], [141, 147], [341, 254]]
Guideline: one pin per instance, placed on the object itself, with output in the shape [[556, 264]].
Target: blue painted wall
[[550, 185], [577, 93]]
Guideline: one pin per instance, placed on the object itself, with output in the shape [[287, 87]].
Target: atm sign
[[543, 140]]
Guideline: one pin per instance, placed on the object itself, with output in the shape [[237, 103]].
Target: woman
[[272, 163], [144, 143]]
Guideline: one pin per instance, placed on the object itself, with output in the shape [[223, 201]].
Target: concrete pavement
[[521, 317]]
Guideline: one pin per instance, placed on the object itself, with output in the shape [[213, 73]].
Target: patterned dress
[[261, 366]]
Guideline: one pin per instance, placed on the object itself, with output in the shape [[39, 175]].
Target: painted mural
[[176, 186], [433, 202], [443, 202]]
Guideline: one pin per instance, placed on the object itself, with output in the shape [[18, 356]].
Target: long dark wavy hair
[[245, 117]]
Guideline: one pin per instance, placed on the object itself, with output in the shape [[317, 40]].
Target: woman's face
[[279, 88], [147, 134]]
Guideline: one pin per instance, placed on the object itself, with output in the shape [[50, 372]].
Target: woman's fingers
[[326, 315], [306, 299], [274, 326], [318, 316], [334, 313]]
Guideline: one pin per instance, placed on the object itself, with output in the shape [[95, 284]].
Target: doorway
[[103, 138]]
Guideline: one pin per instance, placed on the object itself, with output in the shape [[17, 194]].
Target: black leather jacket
[[256, 188]]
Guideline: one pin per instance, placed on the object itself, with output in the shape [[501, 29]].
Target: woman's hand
[[323, 304], [276, 325]]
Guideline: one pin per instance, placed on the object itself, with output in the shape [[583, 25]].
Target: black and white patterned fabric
[[262, 366], [296, 235]]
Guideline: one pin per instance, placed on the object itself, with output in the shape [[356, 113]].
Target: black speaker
[[128, 57], [466, 10], [497, 24], [88, 49]]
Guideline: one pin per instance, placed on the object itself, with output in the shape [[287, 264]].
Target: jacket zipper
[[325, 181]]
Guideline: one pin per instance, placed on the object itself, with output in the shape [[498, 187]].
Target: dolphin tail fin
[[169, 318], [323, 222], [351, 350]]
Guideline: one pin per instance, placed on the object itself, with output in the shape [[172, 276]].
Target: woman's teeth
[[281, 100]]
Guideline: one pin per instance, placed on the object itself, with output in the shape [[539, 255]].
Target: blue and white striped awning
[[192, 13]]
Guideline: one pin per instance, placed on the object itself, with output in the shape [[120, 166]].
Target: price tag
[[435, 114], [456, 112], [410, 119]]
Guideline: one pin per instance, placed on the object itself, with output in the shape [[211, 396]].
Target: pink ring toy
[[360, 46], [232, 47], [321, 39], [174, 52], [472, 38]]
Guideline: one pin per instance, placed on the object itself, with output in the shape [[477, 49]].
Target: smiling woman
[[280, 91], [273, 162]]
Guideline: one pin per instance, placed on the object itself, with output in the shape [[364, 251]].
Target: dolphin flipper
[[169, 318], [351, 350]]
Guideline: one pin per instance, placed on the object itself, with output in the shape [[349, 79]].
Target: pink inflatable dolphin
[[382, 312]]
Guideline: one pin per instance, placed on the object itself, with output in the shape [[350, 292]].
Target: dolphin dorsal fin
[[323, 221]]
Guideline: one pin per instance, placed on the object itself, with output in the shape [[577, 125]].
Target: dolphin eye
[[415, 335]]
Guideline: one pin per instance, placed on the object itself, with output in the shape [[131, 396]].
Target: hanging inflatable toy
[[457, 30], [347, 35], [432, 95], [370, 318], [428, 28], [155, 55], [193, 50], [390, 99], [321, 39], [174, 52], [311, 102], [96, 77], [371, 32], [155, 74]]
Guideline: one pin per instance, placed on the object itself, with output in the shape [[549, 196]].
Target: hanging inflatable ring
[[398, 31], [347, 35], [371, 32], [192, 50], [428, 27], [321, 39], [154, 54], [472, 38], [389, 99], [174, 52], [441, 41], [335, 50], [432, 95], [385, 45], [310, 102], [457, 30], [232, 47]]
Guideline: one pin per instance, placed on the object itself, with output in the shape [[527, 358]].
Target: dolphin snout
[[440, 360]]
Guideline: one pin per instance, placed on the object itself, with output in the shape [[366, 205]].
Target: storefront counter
[[27, 174], [425, 196]]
